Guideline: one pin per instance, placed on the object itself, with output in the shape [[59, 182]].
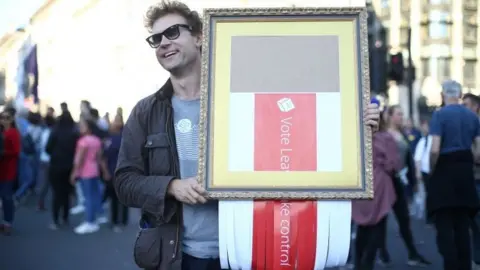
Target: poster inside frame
[[283, 95]]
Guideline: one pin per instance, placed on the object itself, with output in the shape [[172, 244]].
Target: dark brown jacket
[[147, 162]]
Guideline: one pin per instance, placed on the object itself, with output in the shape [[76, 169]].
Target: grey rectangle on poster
[[284, 64]]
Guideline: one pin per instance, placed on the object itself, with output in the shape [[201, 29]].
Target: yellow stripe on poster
[[350, 177]]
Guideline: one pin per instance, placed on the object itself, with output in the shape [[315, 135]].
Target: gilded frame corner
[[206, 78]]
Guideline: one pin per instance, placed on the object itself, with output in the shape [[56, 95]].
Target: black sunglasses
[[171, 33]]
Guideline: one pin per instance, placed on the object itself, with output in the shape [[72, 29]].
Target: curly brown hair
[[166, 7]]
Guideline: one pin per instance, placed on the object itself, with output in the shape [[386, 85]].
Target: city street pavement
[[34, 247], [424, 237]]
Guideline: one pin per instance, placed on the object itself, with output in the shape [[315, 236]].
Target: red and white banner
[[284, 235], [284, 132]]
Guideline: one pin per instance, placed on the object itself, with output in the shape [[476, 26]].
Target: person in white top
[[422, 157], [422, 167]]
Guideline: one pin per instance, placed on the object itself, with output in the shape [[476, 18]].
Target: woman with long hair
[[406, 177], [370, 215], [112, 148], [61, 149], [8, 168], [88, 160]]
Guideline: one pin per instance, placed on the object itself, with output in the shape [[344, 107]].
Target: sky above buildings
[[16, 13]]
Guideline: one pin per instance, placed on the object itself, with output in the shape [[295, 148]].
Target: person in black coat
[[61, 148]]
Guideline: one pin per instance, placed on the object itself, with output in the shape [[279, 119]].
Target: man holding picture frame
[[158, 160]]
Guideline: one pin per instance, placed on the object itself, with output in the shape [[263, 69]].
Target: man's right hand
[[187, 190]]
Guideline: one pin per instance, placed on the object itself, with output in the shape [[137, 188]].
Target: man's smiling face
[[175, 54]]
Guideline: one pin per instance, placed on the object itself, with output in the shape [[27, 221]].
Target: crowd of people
[[74, 161], [157, 166], [432, 173], [394, 185]]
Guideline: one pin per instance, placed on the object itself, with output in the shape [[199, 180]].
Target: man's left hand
[[372, 116]]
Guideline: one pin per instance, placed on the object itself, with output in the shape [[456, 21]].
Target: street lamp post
[[410, 74]]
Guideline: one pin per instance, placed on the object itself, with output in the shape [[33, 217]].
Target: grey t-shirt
[[200, 222]]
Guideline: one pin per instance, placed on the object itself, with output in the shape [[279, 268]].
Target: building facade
[[444, 43]]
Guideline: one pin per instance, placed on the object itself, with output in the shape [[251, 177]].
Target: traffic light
[[397, 67]]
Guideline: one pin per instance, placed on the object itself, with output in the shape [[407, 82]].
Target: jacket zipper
[[177, 236], [172, 141]]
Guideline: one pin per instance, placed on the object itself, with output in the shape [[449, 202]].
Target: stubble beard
[[183, 68]]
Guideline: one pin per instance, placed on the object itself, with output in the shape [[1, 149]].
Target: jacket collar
[[165, 92]]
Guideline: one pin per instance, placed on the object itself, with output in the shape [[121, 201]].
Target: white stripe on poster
[[340, 231], [323, 231], [222, 233], [241, 132], [329, 132], [344, 231], [243, 212]]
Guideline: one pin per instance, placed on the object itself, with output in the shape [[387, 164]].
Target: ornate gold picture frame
[[283, 95]]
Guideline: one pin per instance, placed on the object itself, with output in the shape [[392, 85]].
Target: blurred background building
[[444, 44], [95, 50]]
